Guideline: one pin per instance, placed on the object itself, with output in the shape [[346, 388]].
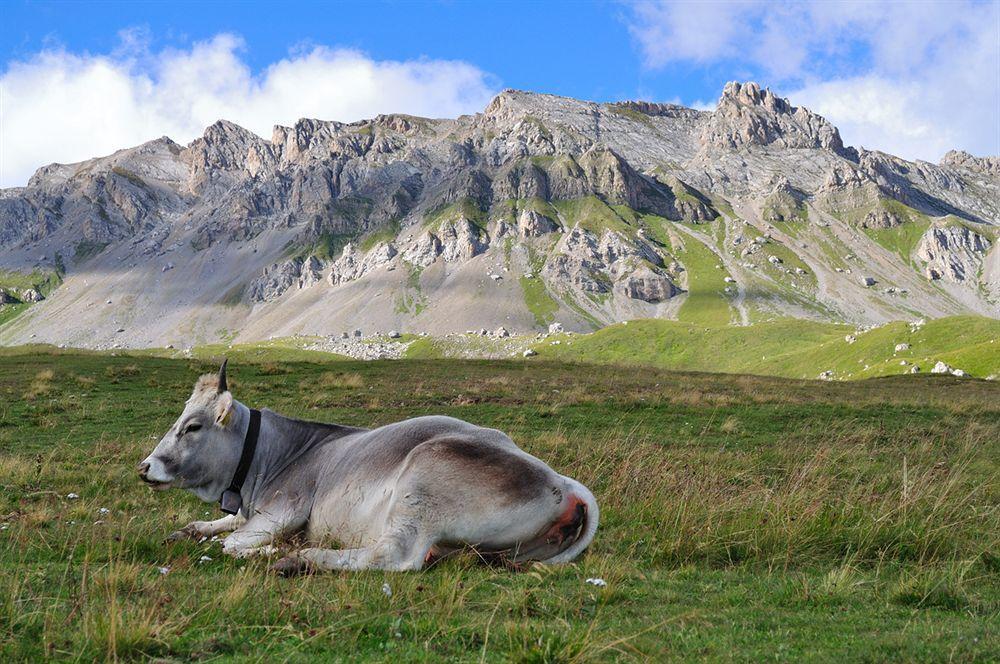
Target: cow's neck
[[282, 440]]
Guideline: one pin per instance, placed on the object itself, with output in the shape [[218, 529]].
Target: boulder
[[648, 286], [533, 224], [941, 368], [901, 347], [868, 282], [555, 328]]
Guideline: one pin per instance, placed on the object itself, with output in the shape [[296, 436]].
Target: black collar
[[231, 499]]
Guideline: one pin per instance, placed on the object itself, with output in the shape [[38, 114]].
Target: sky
[[82, 79]]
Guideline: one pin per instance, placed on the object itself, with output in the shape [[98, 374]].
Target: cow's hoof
[[180, 535], [292, 566]]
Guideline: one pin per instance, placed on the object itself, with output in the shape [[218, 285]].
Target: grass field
[[791, 347], [743, 518]]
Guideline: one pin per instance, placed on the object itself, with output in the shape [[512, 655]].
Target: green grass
[[9, 312], [791, 347], [901, 240], [465, 208], [87, 249], [743, 519], [412, 298], [706, 302], [285, 349], [45, 281], [537, 299], [372, 239], [630, 113], [592, 214]]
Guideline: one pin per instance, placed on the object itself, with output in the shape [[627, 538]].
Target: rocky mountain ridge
[[538, 209]]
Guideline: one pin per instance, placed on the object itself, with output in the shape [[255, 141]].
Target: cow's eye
[[194, 426]]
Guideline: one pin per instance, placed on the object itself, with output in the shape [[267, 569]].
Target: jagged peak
[[748, 115], [225, 129], [965, 160], [751, 94]]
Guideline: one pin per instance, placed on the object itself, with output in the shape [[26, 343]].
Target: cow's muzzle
[[143, 469]]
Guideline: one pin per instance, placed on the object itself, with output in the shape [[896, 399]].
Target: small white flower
[[104, 510], [205, 559], [72, 496], [386, 590], [600, 583], [163, 570]]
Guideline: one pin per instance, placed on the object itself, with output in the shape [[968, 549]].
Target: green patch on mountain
[[44, 281], [536, 297], [781, 206], [328, 246], [630, 113], [373, 238], [901, 240], [133, 178], [87, 249], [791, 347], [465, 208], [9, 312], [351, 208], [234, 296], [592, 214], [706, 302], [411, 299]]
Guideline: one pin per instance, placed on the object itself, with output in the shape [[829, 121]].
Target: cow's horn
[[222, 376]]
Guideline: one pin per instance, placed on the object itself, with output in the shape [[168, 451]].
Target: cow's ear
[[224, 408]]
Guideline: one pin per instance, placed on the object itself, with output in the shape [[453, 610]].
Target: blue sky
[[578, 49], [81, 79]]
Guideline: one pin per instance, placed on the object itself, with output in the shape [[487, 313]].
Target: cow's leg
[[400, 549], [256, 535], [199, 529]]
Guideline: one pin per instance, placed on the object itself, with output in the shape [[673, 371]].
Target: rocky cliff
[[538, 209]]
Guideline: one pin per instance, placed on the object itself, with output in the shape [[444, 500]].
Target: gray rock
[[952, 253], [647, 285]]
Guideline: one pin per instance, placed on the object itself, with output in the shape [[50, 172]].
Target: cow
[[398, 497]]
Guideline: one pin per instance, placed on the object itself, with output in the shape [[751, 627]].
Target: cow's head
[[201, 450]]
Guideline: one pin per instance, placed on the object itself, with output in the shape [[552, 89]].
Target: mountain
[[538, 209]]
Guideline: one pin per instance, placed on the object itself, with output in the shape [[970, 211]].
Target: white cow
[[398, 497]]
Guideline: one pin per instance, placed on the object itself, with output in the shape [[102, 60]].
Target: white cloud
[[66, 107], [915, 79]]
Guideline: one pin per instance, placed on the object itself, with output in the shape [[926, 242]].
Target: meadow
[[744, 518]]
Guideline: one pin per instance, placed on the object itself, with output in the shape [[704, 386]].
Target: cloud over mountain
[[915, 79], [65, 107]]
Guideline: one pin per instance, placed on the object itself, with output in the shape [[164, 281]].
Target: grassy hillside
[[790, 347], [742, 519]]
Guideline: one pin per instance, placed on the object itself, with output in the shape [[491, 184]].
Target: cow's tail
[[582, 528]]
